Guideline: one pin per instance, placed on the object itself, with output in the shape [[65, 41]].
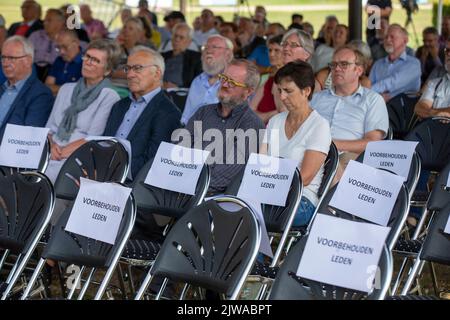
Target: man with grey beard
[[435, 100], [216, 55], [229, 129]]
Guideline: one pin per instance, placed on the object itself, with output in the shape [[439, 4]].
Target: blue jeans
[[304, 213]]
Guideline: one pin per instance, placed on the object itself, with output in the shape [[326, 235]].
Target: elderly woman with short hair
[[299, 133], [82, 108]]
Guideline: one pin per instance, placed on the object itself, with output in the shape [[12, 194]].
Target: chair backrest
[[396, 221], [440, 194], [83, 251], [26, 204], [178, 97], [43, 162], [154, 200], [211, 247], [102, 161], [401, 114], [278, 219], [413, 174], [329, 170], [287, 286], [434, 143], [436, 247]]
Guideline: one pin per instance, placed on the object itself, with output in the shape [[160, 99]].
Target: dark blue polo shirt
[[64, 72]]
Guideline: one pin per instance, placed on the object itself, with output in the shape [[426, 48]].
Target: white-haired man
[[216, 55]]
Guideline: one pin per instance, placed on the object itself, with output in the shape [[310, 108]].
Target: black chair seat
[[141, 249], [412, 297], [260, 269], [420, 195], [408, 246]]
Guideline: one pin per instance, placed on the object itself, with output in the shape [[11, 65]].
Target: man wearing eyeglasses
[[435, 100], [67, 67], [24, 100], [231, 119], [356, 114], [147, 116], [216, 55]]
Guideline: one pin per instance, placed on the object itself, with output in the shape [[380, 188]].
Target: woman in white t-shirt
[[299, 133]]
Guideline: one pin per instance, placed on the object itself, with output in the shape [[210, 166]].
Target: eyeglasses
[[292, 45], [137, 68], [212, 48], [91, 59], [11, 58], [64, 47], [230, 82], [342, 64]]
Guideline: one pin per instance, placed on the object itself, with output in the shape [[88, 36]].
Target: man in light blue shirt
[[398, 72], [357, 115], [217, 53]]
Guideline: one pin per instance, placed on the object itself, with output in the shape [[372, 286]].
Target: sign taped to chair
[[124, 142], [176, 168], [393, 155], [367, 192], [343, 253], [22, 146], [98, 210], [267, 179]]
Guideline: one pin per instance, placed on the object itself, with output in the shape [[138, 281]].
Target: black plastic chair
[[178, 96], [64, 246], [396, 221], [288, 286], [436, 247], [209, 247], [26, 205], [102, 161], [43, 163], [401, 114], [145, 243]]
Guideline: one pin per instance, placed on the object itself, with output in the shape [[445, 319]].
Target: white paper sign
[[124, 142], [98, 210], [176, 168], [264, 246], [267, 179], [343, 253], [22, 146], [367, 192], [393, 155]]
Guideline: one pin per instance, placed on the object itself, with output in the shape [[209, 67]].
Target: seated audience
[[431, 54], [233, 114], [147, 116], [67, 67], [435, 100], [82, 108], [263, 102], [323, 53], [356, 115], [207, 27], [299, 133], [31, 14], [24, 100], [94, 27], [182, 64]]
